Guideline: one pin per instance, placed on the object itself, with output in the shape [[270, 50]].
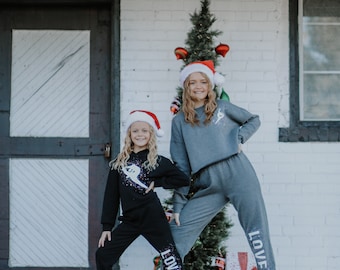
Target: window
[[314, 34]]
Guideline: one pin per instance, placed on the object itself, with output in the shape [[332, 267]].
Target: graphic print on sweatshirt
[[220, 115], [134, 175]]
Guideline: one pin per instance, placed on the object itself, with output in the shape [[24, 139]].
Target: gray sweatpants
[[232, 180]]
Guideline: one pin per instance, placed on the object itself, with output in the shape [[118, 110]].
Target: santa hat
[[145, 116], [207, 67]]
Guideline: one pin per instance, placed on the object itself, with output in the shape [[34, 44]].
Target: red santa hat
[[145, 116], [207, 67]]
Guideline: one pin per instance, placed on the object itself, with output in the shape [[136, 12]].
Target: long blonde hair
[[124, 155], [188, 106]]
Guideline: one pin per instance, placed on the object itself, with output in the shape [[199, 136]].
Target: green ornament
[[224, 96]]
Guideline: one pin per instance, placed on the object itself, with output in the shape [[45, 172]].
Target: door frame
[[114, 129]]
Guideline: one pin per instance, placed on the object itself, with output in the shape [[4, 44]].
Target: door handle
[[107, 151]]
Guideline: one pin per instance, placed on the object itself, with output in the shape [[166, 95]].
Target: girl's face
[[140, 135], [198, 88]]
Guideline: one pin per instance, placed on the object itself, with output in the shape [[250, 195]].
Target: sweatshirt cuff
[[179, 199], [107, 227], [177, 207]]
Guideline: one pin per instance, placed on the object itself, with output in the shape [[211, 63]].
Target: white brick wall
[[300, 181]]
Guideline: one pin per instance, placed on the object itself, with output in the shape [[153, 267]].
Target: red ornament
[[175, 105], [181, 53], [222, 49], [157, 261]]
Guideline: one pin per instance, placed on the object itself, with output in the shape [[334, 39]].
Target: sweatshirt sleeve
[[111, 201], [180, 157], [168, 176], [178, 150], [249, 123]]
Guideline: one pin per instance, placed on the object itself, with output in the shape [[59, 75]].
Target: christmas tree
[[199, 47]]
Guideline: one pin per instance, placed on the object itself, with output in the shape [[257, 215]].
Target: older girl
[[205, 142]]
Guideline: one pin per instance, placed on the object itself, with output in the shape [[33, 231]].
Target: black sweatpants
[[150, 222]]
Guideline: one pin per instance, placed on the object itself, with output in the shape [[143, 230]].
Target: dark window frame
[[302, 131]]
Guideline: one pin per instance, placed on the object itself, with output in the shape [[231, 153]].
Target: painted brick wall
[[300, 181]]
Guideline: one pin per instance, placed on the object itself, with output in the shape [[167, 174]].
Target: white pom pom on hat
[[207, 67], [145, 116]]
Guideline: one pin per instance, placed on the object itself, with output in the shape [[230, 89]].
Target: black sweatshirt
[[129, 184]]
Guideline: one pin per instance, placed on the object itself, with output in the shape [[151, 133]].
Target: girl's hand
[[105, 235], [175, 216], [151, 187]]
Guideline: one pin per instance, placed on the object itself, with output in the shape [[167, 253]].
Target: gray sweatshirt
[[193, 148]]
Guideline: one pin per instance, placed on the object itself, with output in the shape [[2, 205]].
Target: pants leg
[[246, 196], [196, 214], [121, 238], [156, 231]]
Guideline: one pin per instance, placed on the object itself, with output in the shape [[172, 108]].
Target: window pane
[[317, 10], [319, 60], [321, 47], [321, 97]]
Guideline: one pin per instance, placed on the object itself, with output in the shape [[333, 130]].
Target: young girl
[[205, 142], [133, 175]]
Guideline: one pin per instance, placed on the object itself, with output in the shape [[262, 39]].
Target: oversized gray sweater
[[193, 148]]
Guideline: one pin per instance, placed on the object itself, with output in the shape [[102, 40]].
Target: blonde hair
[[124, 155], [188, 106]]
